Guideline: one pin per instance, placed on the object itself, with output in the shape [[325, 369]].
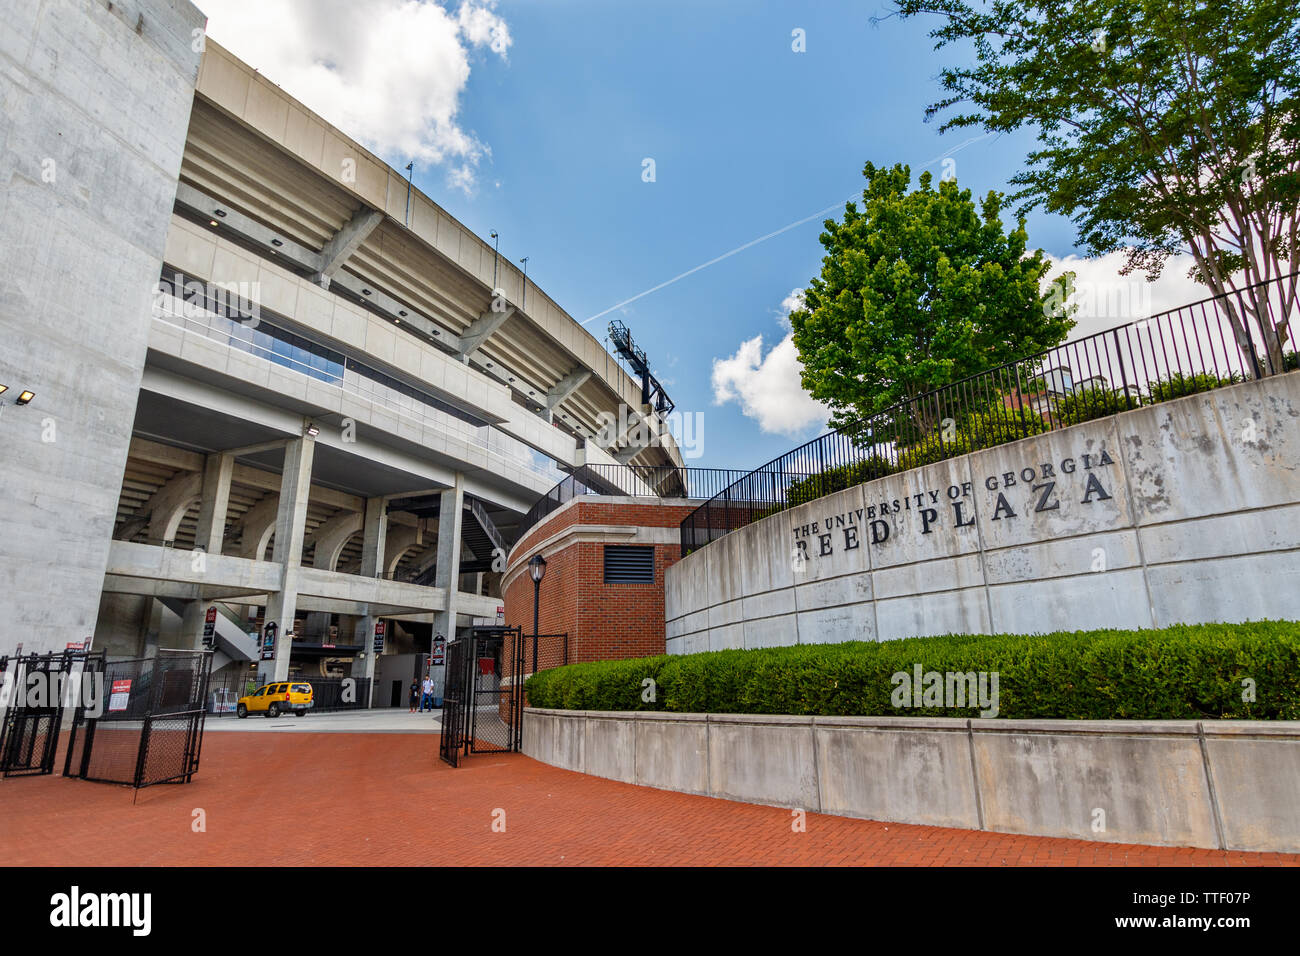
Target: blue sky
[[541, 129], [747, 136]]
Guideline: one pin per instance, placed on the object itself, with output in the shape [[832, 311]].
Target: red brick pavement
[[386, 799]]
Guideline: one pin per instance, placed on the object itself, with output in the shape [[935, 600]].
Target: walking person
[[427, 698], [414, 693]]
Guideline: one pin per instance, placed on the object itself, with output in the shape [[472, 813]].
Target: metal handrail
[[1178, 352], [660, 481]]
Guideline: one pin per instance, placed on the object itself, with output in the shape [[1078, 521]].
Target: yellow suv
[[276, 699]]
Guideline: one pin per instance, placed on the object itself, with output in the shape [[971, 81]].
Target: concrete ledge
[[1217, 784]]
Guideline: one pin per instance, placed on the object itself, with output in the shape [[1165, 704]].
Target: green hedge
[[1181, 384], [831, 480], [1091, 403], [1181, 672]]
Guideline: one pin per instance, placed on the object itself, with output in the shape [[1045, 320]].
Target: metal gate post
[[521, 665]]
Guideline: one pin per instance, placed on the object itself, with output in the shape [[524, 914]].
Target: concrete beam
[[565, 387], [227, 217], [163, 511], [396, 311], [198, 202], [399, 541], [156, 453], [345, 242], [481, 329], [256, 527], [625, 455], [332, 537]]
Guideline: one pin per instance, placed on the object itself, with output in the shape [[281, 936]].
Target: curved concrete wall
[[1183, 512], [1224, 784]]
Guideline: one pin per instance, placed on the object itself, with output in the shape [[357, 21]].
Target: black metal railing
[[1191, 349], [658, 481], [328, 693]]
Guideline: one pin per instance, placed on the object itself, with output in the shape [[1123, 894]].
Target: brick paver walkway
[[386, 799]]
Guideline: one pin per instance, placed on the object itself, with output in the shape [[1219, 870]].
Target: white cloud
[[791, 302], [388, 72], [767, 387], [1107, 299]]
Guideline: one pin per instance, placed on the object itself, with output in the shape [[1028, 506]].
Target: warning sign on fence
[[120, 694]]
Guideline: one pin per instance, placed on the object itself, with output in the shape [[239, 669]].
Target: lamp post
[[536, 571]]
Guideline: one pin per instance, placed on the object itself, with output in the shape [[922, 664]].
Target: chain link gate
[[453, 704], [33, 693], [482, 704], [150, 728], [483, 701]]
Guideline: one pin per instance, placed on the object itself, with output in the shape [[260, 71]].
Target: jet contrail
[[753, 242]]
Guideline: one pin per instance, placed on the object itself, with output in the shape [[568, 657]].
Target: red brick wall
[[603, 621]]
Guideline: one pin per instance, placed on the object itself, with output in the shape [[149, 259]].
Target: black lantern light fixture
[[536, 571]]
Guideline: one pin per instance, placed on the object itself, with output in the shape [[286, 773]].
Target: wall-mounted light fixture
[[3, 389], [25, 397], [311, 430]]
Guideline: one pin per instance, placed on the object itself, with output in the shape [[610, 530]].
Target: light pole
[[410, 174], [536, 571], [496, 252]]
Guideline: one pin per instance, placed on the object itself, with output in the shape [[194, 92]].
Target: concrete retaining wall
[[1217, 784], [1183, 512]]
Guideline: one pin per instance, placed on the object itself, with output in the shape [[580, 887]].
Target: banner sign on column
[[210, 629], [379, 637], [268, 641]]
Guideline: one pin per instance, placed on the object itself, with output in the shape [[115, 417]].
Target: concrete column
[[153, 627], [192, 622], [450, 515], [290, 526], [318, 623], [215, 500], [363, 668], [374, 536]]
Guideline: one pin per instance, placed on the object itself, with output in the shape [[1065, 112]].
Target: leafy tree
[[1164, 126], [917, 289]]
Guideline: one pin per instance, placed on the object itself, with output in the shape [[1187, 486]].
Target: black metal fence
[[34, 691], [483, 700], [328, 693], [658, 481], [1218, 341], [148, 729]]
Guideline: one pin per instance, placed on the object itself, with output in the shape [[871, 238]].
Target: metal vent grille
[[629, 564]]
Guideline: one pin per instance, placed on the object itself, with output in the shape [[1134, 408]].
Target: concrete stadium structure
[[267, 373]]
